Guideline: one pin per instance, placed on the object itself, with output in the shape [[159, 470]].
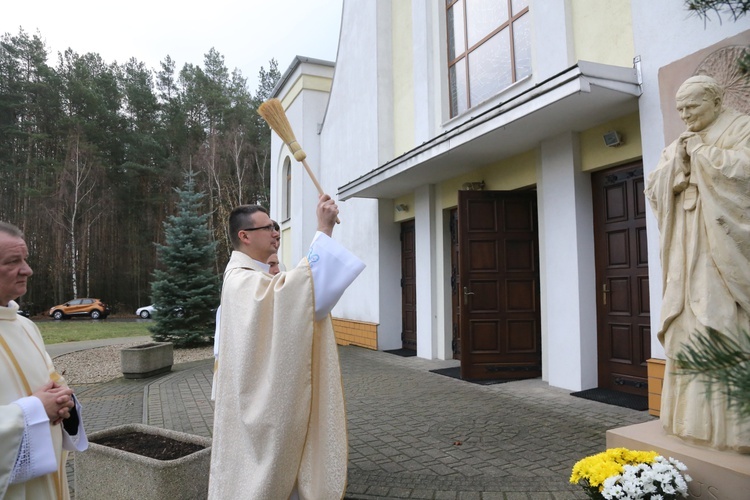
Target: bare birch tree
[[75, 202]]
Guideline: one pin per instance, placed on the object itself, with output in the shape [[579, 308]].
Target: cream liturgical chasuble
[[279, 422], [32, 450]]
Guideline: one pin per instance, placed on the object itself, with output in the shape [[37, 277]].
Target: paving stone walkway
[[412, 433]]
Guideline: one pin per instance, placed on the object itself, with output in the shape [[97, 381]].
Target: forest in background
[[91, 153]]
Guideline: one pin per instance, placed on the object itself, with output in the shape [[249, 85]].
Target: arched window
[[287, 195]]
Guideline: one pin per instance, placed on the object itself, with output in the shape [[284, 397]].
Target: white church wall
[[349, 141]]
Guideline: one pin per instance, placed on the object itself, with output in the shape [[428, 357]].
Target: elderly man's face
[[14, 270], [278, 234], [697, 112], [273, 264]]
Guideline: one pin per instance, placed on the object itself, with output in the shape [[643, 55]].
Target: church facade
[[489, 166]]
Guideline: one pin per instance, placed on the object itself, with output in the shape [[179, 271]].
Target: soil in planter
[[150, 445]]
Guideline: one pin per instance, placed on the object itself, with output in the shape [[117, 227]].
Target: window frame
[[286, 198], [512, 18]]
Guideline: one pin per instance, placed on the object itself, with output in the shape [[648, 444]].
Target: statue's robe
[[704, 224], [280, 421], [25, 428]]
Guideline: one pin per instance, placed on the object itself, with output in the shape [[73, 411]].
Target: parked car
[[80, 307], [146, 312]]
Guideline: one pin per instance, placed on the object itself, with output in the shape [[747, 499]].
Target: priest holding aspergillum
[[279, 422]]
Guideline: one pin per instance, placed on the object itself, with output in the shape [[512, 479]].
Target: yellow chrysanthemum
[[595, 469]]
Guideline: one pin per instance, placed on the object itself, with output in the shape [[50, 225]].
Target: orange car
[[80, 307]]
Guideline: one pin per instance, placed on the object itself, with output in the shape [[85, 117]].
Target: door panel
[[498, 292], [408, 287], [455, 286], [623, 314]]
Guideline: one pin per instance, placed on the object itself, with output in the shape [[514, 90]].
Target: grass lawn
[[73, 330]]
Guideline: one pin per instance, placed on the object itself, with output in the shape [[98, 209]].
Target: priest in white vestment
[[700, 194], [40, 420], [279, 422], [273, 269]]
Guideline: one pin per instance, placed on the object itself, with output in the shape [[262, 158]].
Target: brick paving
[[412, 434]]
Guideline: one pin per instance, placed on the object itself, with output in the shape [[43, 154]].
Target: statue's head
[[699, 101]]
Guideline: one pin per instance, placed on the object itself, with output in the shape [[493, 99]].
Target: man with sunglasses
[[279, 422], [274, 268]]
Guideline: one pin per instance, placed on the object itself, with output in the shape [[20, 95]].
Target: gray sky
[[248, 33]]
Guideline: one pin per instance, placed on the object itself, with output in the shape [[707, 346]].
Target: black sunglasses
[[269, 228]]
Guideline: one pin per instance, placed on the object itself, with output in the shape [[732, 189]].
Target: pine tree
[[185, 290]]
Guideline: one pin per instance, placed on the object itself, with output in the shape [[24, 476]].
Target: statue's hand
[[685, 146], [692, 142], [680, 183]]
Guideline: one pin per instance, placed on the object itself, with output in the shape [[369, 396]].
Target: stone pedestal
[[146, 360], [717, 475]]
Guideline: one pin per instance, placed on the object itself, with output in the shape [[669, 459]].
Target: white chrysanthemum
[[660, 480], [649, 486], [632, 487], [668, 489], [612, 490], [681, 485]]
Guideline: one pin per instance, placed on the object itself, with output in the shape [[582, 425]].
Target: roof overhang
[[579, 98]]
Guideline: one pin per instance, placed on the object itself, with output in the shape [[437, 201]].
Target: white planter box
[[105, 472], [146, 360]]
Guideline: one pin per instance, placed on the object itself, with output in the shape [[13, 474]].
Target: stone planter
[[146, 360], [105, 472]]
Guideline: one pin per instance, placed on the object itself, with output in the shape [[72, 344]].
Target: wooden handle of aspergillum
[[315, 181]]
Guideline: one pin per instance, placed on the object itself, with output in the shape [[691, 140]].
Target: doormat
[[617, 398], [404, 353], [455, 372]]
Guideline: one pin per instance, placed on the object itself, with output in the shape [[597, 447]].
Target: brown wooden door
[[623, 315], [408, 287], [499, 279]]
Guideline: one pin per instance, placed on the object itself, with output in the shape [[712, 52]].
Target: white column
[[567, 255], [424, 57], [553, 49], [443, 299], [425, 237]]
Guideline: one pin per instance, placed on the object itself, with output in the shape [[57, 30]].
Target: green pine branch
[[735, 8], [724, 364]]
